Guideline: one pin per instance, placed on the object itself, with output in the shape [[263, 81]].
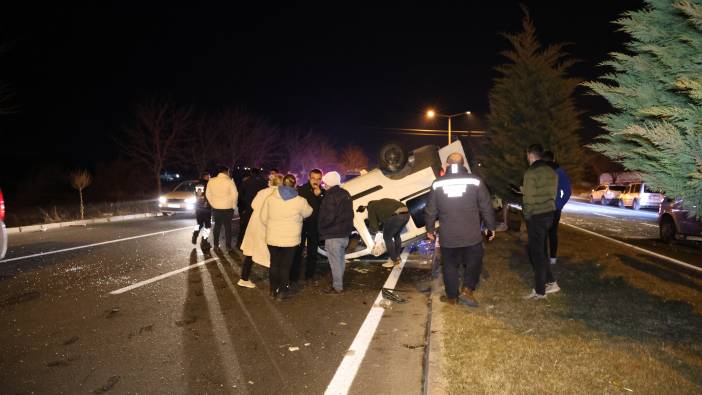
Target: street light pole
[[432, 114]]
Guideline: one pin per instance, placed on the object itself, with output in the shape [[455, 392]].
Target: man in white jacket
[[222, 195]]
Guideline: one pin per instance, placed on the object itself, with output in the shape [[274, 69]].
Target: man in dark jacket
[[393, 215], [203, 213], [562, 196], [313, 193], [250, 186], [538, 206], [335, 226], [460, 200]]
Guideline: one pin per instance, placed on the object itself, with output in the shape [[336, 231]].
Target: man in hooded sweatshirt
[[222, 195], [335, 226], [282, 214]]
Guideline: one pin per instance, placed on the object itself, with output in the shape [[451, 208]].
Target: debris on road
[[360, 270], [342, 323], [108, 386], [293, 349], [71, 341]]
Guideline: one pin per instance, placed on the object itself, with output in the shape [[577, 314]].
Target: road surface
[[70, 326]]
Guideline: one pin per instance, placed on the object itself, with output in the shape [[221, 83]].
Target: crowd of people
[[282, 224]]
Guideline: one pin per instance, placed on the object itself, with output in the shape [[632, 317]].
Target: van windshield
[[647, 189]]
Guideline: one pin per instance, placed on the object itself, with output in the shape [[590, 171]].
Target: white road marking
[[605, 215], [346, 372], [92, 245], [652, 225], [161, 277], [645, 251]]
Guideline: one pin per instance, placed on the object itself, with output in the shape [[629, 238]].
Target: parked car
[[3, 230], [404, 176], [674, 222], [638, 195], [606, 194], [181, 199]]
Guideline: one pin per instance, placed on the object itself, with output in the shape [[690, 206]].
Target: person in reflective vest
[[460, 200]]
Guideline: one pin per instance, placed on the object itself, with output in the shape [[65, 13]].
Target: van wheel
[[603, 201], [667, 230], [621, 203], [392, 157], [636, 205]]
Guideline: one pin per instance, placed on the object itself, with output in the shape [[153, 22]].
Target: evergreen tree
[[656, 90], [531, 102]]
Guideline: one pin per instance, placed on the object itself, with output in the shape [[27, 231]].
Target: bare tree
[[80, 180], [247, 139], [153, 141], [199, 149], [353, 159], [307, 150]]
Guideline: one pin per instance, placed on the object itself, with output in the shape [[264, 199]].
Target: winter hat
[[331, 179]]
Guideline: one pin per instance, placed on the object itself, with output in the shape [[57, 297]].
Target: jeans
[[246, 268], [452, 260], [392, 228], [312, 239], [538, 227], [222, 218], [281, 260], [204, 221], [336, 251], [553, 234]]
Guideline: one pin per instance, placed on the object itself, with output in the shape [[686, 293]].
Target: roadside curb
[[56, 225], [436, 383]]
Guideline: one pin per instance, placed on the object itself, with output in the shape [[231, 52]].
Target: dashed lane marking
[[92, 245], [161, 277]]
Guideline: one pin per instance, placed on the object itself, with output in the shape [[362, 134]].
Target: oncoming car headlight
[[162, 199], [190, 200]]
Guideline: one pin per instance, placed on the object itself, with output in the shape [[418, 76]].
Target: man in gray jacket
[[460, 200]]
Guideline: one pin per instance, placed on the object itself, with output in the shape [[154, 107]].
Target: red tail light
[[2, 207]]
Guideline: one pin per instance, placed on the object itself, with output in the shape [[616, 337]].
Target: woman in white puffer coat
[[283, 213], [254, 244]]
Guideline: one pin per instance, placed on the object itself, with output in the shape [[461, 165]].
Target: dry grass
[[621, 324]]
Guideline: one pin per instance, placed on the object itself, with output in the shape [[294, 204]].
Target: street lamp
[[432, 114]]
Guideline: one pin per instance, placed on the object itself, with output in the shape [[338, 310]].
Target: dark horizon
[[77, 73]]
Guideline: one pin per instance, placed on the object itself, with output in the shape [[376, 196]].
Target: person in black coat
[[312, 192], [335, 227]]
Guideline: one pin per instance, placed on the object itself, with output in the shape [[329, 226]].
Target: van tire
[[392, 157], [636, 205], [667, 229]]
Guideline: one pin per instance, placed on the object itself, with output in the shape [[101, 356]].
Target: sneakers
[[332, 291], [246, 284], [447, 300], [552, 288], [553, 261], [467, 298], [195, 234], [389, 263], [534, 296]]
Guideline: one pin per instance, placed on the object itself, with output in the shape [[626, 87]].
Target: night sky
[[343, 69]]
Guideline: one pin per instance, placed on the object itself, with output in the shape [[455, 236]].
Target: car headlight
[[162, 199], [190, 200]]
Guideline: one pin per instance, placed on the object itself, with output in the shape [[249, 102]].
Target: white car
[[638, 195], [606, 194], [410, 185], [181, 199]]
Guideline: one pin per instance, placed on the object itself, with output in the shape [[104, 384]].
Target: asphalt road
[[639, 228], [65, 330]]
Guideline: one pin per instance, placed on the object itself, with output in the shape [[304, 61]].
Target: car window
[[416, 208], [185, 187], [647, 189], [601, 187], [619, 188]]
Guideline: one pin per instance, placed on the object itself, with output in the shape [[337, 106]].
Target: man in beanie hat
[[335, 226]]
